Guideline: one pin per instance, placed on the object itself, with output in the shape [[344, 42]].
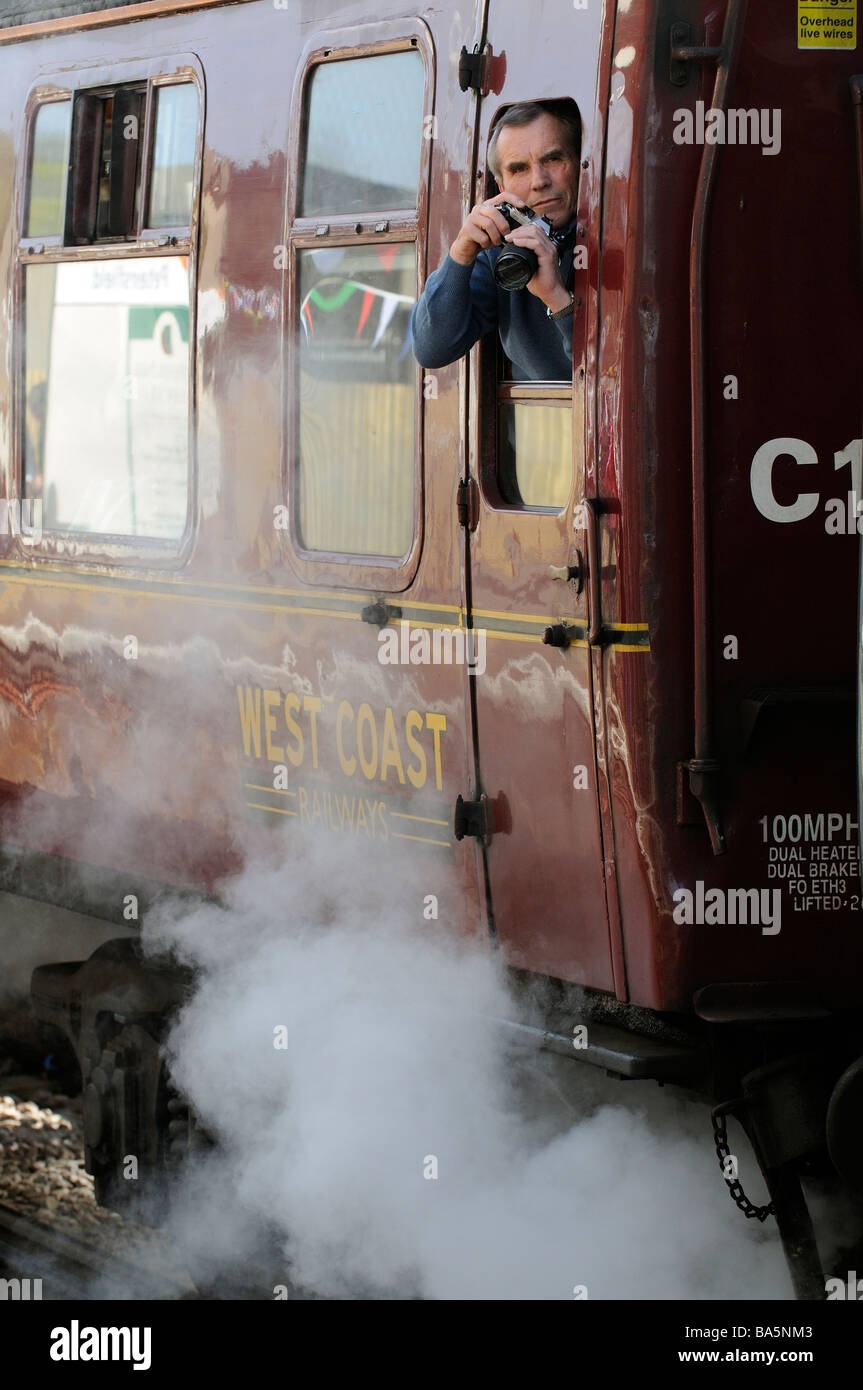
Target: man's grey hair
[[525, 113]]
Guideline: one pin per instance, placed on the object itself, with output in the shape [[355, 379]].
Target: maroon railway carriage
[[217, 449]]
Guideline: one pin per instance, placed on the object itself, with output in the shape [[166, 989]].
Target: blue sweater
[[460, 303]]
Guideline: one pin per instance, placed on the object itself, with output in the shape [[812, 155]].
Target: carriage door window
[[355, 481], [534, 444], [534, 418]]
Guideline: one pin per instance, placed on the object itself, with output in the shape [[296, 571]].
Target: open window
[[105, 260], [352, 470], [532, 463]]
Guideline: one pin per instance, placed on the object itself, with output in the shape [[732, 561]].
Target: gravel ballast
[[42, 1177]]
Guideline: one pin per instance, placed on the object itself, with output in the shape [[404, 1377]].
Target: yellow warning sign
[[830, 25]]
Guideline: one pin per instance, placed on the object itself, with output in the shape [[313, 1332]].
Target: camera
[[517, 264]]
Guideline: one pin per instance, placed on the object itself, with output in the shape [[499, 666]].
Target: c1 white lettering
[[761, 480]]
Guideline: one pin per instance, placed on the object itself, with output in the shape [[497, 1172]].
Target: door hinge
[[470, 69], [473, 818], [467, 503]]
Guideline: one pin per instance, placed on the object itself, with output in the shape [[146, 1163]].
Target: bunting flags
[[406, 346], [368, 301], [387, 254], [388, 308], [329, 300]]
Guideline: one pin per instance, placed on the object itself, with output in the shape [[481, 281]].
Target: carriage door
[[537, 804]]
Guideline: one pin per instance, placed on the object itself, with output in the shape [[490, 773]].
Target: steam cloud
[[393, 1059]]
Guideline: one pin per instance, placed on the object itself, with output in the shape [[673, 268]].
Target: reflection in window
[[174, 156], [535, 454], [357, 392], [106, 381], [50, 155], [364, 135]]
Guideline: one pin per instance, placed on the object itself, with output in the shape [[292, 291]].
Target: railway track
[[72, 1268]]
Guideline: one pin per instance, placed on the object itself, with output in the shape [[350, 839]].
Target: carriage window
[[354, 463], [364, 135], [535, 453], [107, 367], [104, 166], [174, 156], [106, 359], [357, 389], [48, 159], [103, 191]]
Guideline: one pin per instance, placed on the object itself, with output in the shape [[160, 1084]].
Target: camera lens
[[515, 266]]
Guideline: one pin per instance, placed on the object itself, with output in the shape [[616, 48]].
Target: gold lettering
[[437, 724], [416, 775], [382, 808], [390, 755], [349, 765], [250, 718], [361, 815], [303, 798], [294, 755], [275, 751], [366, 719]]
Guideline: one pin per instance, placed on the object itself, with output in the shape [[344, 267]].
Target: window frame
[[320, 567], [96, 548], [495, 392]]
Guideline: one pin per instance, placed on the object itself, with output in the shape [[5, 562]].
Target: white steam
[[393, 1062]]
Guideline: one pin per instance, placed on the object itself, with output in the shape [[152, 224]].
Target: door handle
[[572, 573]]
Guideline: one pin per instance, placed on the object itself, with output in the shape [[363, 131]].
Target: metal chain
[[720, 1136]]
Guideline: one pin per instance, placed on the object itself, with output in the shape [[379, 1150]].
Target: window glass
[[364, 135], [175, 139], [107, 395], [357, 399], [535, 454], [50, 155]]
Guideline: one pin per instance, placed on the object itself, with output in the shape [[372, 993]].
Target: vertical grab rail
[[703, 766]]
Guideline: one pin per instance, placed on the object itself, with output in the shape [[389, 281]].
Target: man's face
[[537, 164]]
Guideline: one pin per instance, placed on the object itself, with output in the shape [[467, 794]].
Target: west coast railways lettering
[[352, 815], [379, 747]]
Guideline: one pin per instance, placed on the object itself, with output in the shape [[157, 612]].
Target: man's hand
[[483, 227], [546, 283]]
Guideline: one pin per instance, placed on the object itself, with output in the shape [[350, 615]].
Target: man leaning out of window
[[534, 156]]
